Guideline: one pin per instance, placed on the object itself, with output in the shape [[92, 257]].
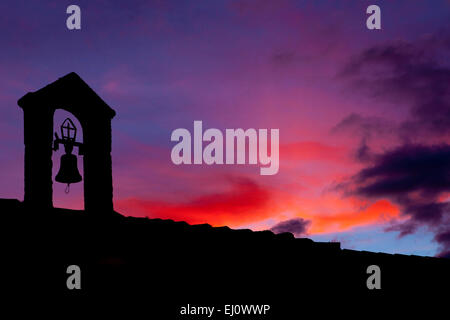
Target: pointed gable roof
[[71, 93]]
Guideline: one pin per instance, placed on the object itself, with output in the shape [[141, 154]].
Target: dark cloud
[[362, 125], [406, 169], [414, 74], [414, 177], [444, 238], [363, 153], [366, 128], [414, 77], [296, 226]]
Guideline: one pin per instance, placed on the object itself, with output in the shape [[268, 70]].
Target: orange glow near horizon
[[232, 212]]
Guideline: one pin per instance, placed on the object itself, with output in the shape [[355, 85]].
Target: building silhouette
[[72, 94]]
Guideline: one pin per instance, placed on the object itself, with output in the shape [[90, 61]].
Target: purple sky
[[349, 103]]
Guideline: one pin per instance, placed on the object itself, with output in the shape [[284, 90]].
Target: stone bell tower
[[72, 94]]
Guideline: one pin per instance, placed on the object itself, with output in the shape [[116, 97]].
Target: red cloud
[[377, 212], [245, 202]]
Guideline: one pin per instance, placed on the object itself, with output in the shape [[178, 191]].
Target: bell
[[68, 170]]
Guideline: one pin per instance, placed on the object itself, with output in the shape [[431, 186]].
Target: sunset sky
[[364, 115]]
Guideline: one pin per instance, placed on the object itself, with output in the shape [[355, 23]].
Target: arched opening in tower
[[67, 196]]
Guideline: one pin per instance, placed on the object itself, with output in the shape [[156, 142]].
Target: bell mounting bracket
[[67, 142]]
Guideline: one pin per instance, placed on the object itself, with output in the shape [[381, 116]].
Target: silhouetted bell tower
[[72, 94]]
